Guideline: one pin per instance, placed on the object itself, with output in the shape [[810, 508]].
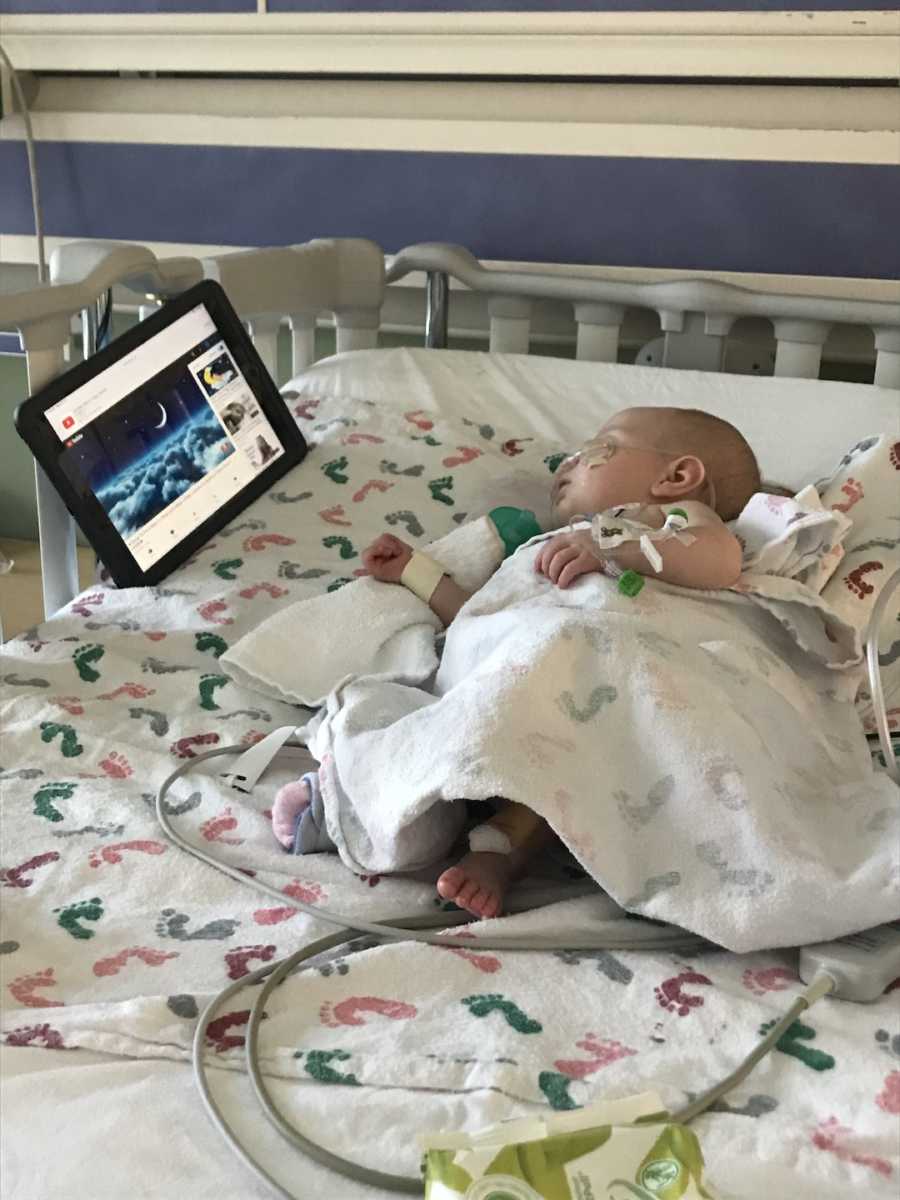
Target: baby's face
[[617, 466]]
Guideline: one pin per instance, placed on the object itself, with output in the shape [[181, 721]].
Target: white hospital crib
[[116, 940]]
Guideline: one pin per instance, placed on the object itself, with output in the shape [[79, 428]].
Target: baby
[[662, 459]]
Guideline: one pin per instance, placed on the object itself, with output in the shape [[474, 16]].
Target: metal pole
[[437, 307]]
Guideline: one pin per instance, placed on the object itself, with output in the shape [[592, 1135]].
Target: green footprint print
[[338, 583], [82, 910], [83, 657], [556, 1088], [208, 685], [437, 487], [45, 796], [335, 469], [553, 461], [345, 544], [226, 568], [791, 1041], [70, 745], [482, 1006], [210, 641], [317, 1065], [598, 697], [427, 439]]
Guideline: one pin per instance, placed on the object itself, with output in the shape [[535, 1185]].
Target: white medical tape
[[421, 575], [489, 838]]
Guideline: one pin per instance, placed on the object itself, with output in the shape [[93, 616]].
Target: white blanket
[[702, 767]]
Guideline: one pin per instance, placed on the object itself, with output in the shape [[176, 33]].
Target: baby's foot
[[478, 883], [290, 802]]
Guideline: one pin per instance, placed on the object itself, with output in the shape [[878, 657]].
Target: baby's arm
[[713, 559], [386, 560]]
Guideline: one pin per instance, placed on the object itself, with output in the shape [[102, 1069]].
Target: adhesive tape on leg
[[422, 575], [488, 837]]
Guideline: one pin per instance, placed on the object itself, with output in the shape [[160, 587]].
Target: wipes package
[[623, 1150]]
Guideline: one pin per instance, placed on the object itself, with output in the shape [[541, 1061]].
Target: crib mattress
[[113, 939]]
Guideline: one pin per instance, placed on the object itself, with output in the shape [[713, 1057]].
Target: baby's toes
[[450, 883]]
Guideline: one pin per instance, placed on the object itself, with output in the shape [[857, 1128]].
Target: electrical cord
[[32, 167], [406, 929], [877, 692]]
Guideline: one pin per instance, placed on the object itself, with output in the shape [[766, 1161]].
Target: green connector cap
[[515, 526], [630, 583], [678, 512]]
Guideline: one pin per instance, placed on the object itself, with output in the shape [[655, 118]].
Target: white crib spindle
[[692, 341], [887, 357], [264, 331], [598, 331], [56, 529], [303, 341], [510, 324], [357, 328], [800, 343]]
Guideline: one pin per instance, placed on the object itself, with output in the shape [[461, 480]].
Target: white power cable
[[875, 688], [32, 167]]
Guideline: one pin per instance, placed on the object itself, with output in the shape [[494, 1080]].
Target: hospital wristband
[[421, 576]]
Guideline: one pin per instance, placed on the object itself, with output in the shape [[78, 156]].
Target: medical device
[[861, 965]]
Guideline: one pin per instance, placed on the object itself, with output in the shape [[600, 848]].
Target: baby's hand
[[567, 556], [386, 558]]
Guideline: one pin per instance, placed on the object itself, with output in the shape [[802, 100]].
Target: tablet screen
[[165, 436]]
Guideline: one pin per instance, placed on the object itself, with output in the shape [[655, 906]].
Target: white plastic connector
[[861, 964]]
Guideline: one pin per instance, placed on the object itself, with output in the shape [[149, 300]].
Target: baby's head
[[658, 456]]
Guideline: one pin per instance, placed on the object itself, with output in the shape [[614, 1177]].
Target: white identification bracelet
[[422, 575]]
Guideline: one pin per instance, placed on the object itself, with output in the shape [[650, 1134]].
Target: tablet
[[160, 439]]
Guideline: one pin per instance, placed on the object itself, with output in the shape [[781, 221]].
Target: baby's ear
[[682, 476]]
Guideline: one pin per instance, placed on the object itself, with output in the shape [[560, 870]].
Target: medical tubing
[[820, 986], [32, 167], [875, 688], [403, 930], [641, 937], [344, 1166], [212, 1109]]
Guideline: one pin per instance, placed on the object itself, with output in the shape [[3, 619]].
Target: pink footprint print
[[853, 490], [259, 541], [511, 447], [420, 421], [251, 737], [114, 964], [24, 989], [480, 959], [374, 485], [603, 1051], [14, 877], [155, 635], [346, 1012], [466, 455], [354, 439], [211, 611], [271, 589], [673, 998], [238, 958], [113, 854], [306, 409], [334, 515], [136, 691], [116, 766], [26, 1035], [215, 828], [84, 607], [309, 893], [182, 748], [217, 1030], [769, 979], [831, 1135], [888, 1099], [71, 704]]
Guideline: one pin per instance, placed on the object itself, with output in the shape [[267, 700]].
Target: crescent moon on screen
[[165, 417]]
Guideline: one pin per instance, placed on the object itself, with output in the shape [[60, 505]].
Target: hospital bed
[[114, 940]]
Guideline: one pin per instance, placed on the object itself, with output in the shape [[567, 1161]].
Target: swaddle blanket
[[701, 760]]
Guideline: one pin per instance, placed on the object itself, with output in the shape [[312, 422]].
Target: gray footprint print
[[174, 925]]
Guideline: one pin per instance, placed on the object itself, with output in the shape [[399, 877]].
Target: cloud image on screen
[[145, 487]]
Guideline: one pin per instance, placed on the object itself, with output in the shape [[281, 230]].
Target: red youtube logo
[[68, 422]]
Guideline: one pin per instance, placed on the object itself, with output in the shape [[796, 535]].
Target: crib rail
[[344, 277], [695, 315], [347, 278]]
